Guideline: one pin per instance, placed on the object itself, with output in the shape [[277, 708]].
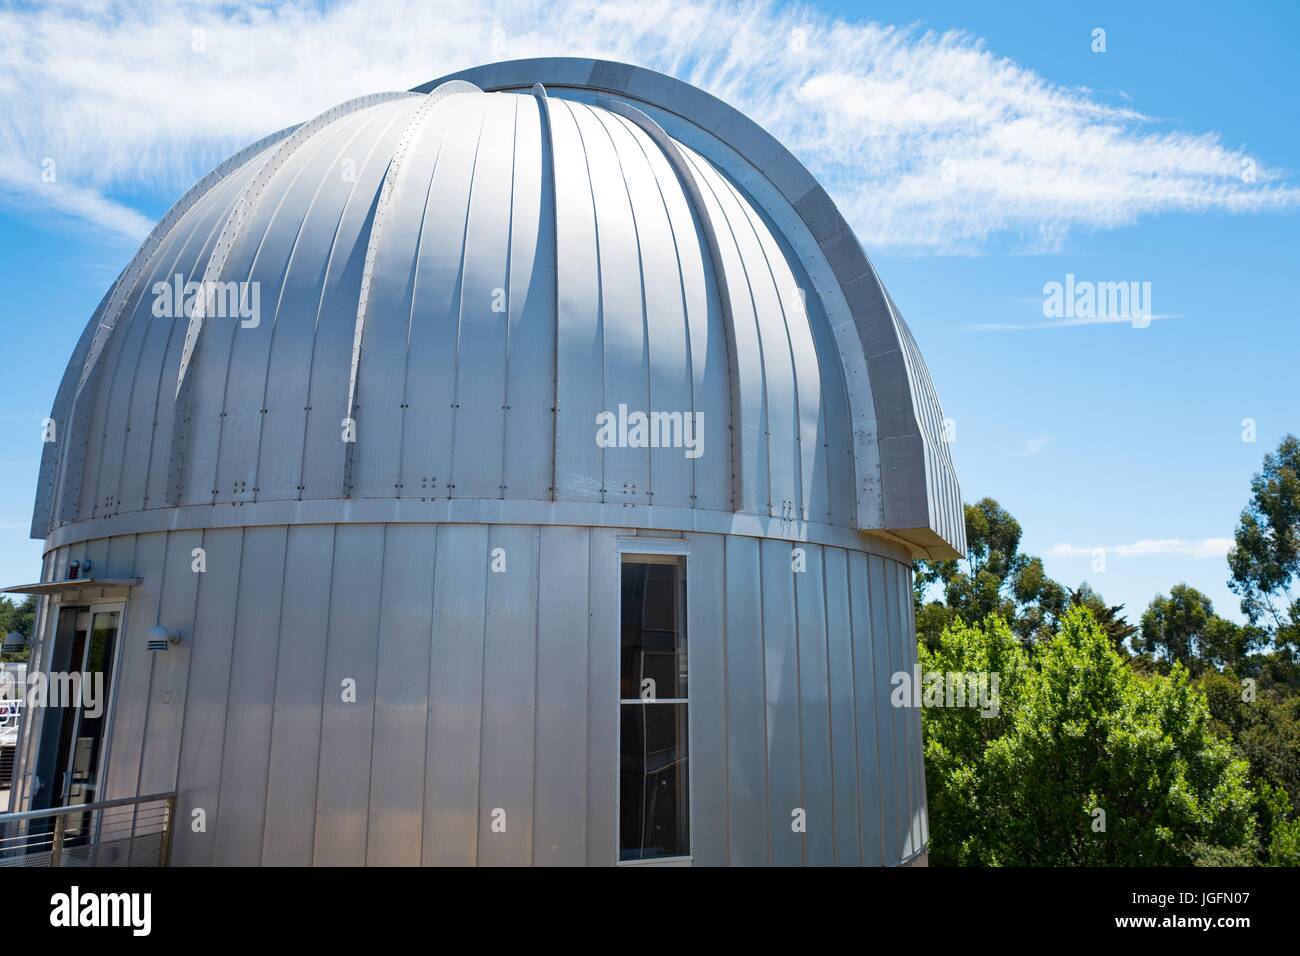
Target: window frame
[[631, 548]]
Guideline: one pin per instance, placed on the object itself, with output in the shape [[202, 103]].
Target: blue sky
[[980, 151]]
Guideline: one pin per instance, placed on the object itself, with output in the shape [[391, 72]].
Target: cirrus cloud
[[928, 141], [1177, 547]]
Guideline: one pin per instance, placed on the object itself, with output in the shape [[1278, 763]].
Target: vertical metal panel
[[102, 404], [385, 349], [456, 696], [887, 719], [707, 327], [255, 246], [402, 697], [331, 354], [111, 417], [604, 642], [748, 830], [288, 266], [808, 425], [299, 687], [706, 647], [241, 804], [204, 737], [814, 710], [580, 395], [530, 356], [81, 436], [774, 346], [166, 713], [505, 838], [141, 440], [96, 551], [621, 307], [667, 347], [132, 693], [869, 702], [844, 730], [923, 808], [60, 413], [750, 431], [431, 354], [907, 758], [347, 722], [915, 755], [714, 482], [133, 357], [387, 423], [29, 730], [560, 750], [160, 428], [837, 433], [781, 660], [483, 320]]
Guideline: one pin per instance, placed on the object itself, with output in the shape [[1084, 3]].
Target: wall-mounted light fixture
[[161, 639]]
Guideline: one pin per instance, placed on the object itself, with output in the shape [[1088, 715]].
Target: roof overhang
[[76, 584]]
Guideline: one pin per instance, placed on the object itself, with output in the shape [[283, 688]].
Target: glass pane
[[653, 785], [654, 629], [90, 734]]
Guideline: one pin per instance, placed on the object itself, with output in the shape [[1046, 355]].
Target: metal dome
[[477, 368], [466, 280]]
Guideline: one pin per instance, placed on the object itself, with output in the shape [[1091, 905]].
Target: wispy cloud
[[23, 186], [928, 141], [1177, 547], [1035, 445], [1061, 323]]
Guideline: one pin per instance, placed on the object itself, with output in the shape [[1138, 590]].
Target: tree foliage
[[1184, 628], [994, 578], [1265, 558], [17, 617], [1077, 731]]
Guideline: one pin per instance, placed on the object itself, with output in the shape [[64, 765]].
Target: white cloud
[[928, 141], [1061, 323], [1035, 445], [1177, 547]]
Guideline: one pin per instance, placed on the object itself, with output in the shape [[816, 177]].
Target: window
[[654, 797]]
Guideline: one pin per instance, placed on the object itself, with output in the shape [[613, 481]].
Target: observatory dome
[[418, 437], [430, 301]]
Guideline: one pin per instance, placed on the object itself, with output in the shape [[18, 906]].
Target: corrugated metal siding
[[484, 695]]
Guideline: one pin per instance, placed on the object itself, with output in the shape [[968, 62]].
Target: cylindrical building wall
[[481, 690]]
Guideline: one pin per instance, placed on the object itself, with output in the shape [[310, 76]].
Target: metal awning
[[76, 584]]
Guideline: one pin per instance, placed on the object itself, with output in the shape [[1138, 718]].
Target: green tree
[[1263, 724], [1077, 731], [1109, 616], [1265, 559], [993, 578], [1183, 627], [17, 617]]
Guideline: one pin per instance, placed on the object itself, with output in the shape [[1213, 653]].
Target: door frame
[[61, 793]]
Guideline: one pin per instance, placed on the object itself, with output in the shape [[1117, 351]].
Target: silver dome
[[653, 250]]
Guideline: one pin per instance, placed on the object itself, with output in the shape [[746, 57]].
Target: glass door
[[84, 756]]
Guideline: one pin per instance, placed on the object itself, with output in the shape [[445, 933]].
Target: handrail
[[84, 807], [131, 831]]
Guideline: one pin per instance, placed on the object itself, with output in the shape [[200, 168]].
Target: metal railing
[[133, 831]]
